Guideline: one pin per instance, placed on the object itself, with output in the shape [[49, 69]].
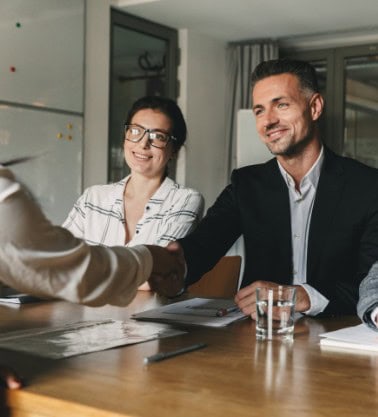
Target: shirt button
[[296, 236], [147, 207], [137, 232]]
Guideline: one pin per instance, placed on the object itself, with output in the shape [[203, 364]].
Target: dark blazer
[[343, 236]]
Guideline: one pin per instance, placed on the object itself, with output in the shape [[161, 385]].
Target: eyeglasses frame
[[151, 142]]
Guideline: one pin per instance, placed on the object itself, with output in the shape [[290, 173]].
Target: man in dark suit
[[309, 217]]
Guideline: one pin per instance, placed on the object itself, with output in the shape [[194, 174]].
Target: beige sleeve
[[45, 260]]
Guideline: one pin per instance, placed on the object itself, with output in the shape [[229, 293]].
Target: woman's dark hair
[[170, 109]]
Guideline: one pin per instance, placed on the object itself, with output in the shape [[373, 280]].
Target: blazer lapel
[[330, 187], [278, 210]]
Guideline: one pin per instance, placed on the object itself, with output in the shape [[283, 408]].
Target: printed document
[[82, 337], [358, 337], [196, 311]]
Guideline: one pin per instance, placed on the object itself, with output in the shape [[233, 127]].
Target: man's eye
[[282, 105]]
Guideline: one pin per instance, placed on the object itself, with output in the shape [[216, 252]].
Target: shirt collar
[[160, 194], [313, 174]]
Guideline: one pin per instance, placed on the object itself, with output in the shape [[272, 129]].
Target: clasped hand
[[167, 276], [246, 298]]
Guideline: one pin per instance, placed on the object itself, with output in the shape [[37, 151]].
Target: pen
[[224, 311], [19, 160], [166, 355]]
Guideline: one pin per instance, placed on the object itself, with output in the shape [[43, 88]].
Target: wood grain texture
[[234, 376]]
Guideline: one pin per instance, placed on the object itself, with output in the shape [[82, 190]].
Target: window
[[143, 61], [349, 82]]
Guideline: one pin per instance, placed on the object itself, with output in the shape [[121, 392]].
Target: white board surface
[[249, 147], [55, 177]]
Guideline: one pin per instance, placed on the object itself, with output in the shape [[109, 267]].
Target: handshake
[[168, 270]]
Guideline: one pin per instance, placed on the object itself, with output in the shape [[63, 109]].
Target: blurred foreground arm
[[47, 261]]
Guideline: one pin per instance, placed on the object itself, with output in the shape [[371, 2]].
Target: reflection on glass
[[361, 109], [278, 363], [138, 69]]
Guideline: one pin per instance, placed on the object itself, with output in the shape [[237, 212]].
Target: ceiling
[[236, 20]]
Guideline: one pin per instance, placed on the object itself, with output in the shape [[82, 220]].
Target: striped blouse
[[171, 213]]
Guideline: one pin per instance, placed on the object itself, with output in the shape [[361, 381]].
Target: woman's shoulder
[[104, 191], [181, 189]]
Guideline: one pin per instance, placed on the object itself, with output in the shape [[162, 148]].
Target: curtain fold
[[242, 59]]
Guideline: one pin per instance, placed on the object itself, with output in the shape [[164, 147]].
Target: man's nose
[[270, 119]]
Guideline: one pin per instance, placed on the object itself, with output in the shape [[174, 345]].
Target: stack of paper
[[82, 337], [196, 311], [356, 337]]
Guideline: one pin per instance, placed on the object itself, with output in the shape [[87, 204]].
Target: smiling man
[[308, 216]]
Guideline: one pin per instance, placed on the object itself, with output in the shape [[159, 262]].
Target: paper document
[[197, 311], [20, 299], [82, 337], [358, 337]]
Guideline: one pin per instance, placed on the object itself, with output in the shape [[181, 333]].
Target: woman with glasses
[[146, 207]]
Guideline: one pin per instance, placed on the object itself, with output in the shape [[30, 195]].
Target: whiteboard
[[249, 147], [55, 177], [42, 53]]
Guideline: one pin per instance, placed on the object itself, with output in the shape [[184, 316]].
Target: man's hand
[[246, 297], [167, 276], [9, 378]]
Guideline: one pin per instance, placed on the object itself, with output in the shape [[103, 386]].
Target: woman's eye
[[158, 136]]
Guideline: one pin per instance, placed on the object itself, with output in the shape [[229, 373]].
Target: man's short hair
[[303, 70]]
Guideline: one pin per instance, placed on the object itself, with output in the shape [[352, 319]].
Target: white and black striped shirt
[[171, 213]]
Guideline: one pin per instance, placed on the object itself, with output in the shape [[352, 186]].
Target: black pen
[[166, 355], [224, 311], [16, 161]]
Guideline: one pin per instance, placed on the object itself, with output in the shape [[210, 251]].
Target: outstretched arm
[[45, 260]]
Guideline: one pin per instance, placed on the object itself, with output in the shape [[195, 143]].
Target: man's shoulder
[[256, 169], [257, 173], [351, 166]]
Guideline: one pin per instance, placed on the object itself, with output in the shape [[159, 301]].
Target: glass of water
[[275, 308]]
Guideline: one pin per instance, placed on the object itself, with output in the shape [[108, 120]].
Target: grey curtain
[[242, 59]]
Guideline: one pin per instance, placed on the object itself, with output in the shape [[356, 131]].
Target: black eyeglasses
[[157, 138]]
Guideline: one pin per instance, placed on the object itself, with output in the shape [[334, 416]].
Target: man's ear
[[317, 106]]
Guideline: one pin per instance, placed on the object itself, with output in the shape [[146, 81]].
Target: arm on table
[[246, 297]]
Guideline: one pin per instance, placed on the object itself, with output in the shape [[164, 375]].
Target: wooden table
[[234, 376]]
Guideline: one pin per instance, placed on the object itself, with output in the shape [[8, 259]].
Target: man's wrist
[[371, 315]]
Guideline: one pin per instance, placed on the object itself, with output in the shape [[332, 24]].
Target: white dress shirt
[[301, 205]]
